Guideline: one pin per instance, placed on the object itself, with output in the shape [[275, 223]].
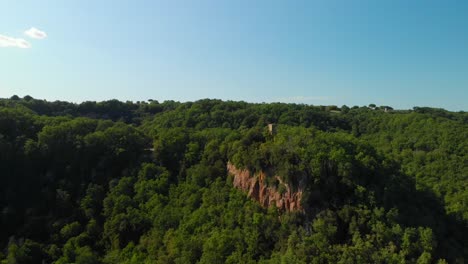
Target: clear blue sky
[[396, 52]]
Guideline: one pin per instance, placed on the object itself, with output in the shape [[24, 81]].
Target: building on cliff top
[[272, 129]]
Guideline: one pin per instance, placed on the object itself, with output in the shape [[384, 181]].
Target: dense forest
[[147, 182]]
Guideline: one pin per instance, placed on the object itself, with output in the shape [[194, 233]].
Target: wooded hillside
[[147, 182]]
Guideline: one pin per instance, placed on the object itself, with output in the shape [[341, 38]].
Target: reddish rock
[[256, 188]]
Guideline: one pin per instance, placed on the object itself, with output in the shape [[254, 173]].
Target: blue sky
[[398, 53]]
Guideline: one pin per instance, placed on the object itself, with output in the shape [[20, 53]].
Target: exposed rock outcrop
[[257, 188]]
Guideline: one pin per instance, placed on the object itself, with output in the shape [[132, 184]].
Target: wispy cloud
[[35, 33], [6, 41]]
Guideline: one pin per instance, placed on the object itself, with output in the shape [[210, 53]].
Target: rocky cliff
[[257, 188]]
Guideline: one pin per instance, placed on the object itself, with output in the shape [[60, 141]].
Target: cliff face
[[256, 188]]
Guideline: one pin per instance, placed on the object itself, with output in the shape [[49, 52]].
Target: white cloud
[[6, 41], [35, 33]]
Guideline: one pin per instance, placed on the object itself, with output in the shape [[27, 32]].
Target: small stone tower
[[272, 129]]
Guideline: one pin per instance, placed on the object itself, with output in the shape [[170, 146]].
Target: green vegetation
[[146, 182]]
